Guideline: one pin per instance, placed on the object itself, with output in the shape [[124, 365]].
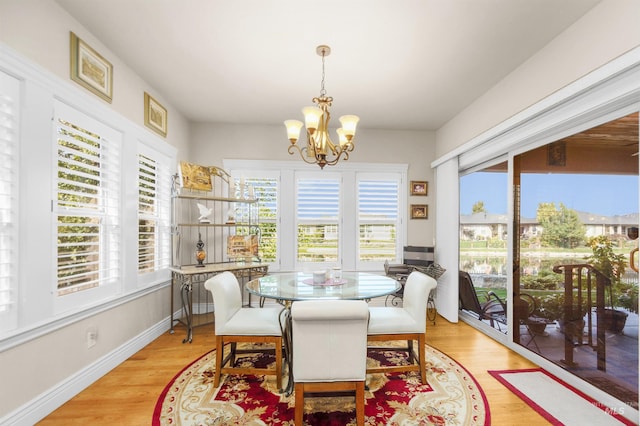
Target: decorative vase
[[201, 254]]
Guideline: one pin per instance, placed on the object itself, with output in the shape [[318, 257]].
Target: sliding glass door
[[575, 287], [561, 220]]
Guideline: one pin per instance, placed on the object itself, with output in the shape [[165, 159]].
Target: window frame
[[287, 171]]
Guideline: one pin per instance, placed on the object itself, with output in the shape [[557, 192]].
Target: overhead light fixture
[[320, 149]]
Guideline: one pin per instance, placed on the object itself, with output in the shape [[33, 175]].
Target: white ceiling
[[403, 64]]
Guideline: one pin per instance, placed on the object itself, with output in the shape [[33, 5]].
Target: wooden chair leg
[[422, 353], [219, 357], [299, 404], [360, 403]]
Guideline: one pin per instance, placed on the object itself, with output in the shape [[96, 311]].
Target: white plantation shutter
[[88, 201], [378, 219], [9, 110], [266, 191], [318, 215], [154, 214]]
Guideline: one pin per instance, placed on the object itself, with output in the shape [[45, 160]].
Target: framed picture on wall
[[419, 211], [90, 70], [419, 187], [155, 115]]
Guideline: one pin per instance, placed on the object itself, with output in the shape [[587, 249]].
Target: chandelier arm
[[303, 155], [337, 158]]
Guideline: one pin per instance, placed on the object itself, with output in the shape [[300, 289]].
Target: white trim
[[34, 331], [48, 401], [235, 164], [611, 81]]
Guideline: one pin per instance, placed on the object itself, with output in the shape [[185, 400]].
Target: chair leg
[[219, 357], [234, 346], [422, 353], [360, 403], [411, 352], [299, 404]]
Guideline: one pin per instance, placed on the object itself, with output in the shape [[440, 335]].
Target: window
[[154, 223], [352, 215], [318, 213], [88, 202], [378, 201], [266, 191], [9, 92]]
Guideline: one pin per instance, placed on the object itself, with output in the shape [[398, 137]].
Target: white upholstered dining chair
[[329, 350], [235, 324], [408, 322]]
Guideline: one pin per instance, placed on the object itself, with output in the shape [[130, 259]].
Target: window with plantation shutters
[[9, 109], [378, 218], [154, 221], [318, 216], [87, 208], [266, 192]]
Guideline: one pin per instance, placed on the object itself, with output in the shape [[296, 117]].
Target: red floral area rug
[[559, 402], [451, 397]]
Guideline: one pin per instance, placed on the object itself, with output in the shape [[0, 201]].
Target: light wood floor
[[128, 394]]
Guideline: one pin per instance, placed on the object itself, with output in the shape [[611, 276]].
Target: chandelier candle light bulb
[[320, 149]]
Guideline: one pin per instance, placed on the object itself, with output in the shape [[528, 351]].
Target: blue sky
[[606, 195]]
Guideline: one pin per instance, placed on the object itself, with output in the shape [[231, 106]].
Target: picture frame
[[419, 187], [419, 211], [242, 246], [557, 154], [90, 69], [155, 115], [194, 176]]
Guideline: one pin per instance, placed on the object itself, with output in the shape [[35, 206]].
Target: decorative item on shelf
[[194, 176], [205, 212], [241, 187], [242, 246], [252, 193], [201, 254], [319, 144], [231, 214]]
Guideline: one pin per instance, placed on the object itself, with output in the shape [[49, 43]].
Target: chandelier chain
[[323, 92]]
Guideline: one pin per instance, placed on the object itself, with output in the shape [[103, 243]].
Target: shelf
[[207, 225], [212, 198]]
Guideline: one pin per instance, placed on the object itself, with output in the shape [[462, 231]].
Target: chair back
[[416, 295], [329, 340], [467, 294], [227, 298]]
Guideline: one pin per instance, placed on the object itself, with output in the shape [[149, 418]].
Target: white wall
[[39, 30], [55, 358], [604, 33], [212, 143]]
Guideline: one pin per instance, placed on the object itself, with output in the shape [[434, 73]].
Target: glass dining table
[[291, 286], [288, 287]]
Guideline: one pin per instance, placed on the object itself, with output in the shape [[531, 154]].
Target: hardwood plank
[[128, 394]]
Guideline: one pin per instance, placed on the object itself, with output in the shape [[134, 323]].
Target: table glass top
[[300, 286]]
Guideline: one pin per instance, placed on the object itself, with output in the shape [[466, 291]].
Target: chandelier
[[320, 149]]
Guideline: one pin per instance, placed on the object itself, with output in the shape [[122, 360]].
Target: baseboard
[[45, 403]]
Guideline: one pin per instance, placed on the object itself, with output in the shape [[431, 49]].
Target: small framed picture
[[419, 211], [90, 69], [155, 115], [419, 187]]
